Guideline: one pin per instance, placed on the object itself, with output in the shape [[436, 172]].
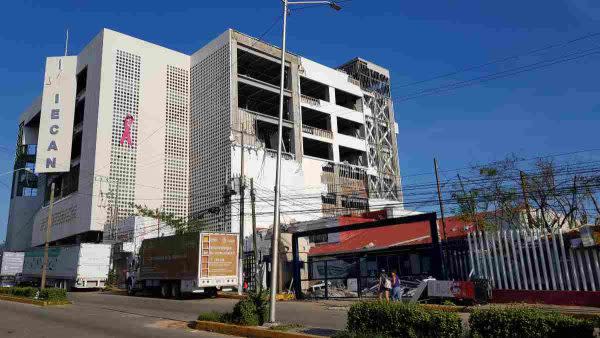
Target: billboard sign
[[219, 252], [57, 113]]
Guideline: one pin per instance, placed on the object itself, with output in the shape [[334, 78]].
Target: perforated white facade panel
[[210, 155], [176, 171], [123, 156]]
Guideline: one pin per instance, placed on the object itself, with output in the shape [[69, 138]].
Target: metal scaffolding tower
[[380, 128]]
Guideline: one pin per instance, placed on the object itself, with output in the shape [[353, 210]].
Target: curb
[[279, 297], [115, 292], [32, 301], [230, 296], [247, 331]]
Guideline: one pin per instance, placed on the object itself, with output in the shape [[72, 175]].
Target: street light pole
[[48, 232], [275, 237]]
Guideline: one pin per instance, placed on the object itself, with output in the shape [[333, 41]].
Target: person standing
[[384, 286], [396, 288]]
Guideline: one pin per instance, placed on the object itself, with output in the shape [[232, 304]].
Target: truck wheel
[[165, 290], [211, 292], [176, 290]]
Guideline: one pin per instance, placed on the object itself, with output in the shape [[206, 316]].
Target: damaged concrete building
[[339, 133], [190, 116]]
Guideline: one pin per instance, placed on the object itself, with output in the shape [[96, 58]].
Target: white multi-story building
[[189, 118]]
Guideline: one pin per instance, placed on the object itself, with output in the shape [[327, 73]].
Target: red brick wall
[[578, 298]]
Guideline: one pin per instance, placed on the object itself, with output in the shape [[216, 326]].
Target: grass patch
[[52, 295], [347, 334], [286, 327], [212, 316]]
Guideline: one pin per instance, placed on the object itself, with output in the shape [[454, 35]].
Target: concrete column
[[334, 127], [294, 77]]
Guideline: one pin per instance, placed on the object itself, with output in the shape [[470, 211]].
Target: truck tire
[[165, 290], [211, 292], [176, 290]]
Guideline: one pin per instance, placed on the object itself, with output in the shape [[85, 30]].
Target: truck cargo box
[[76, 263], [11, 263], [205, 258]]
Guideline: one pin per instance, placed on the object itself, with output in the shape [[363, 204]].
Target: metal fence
[[533, 259]]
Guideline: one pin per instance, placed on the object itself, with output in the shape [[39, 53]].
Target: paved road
[[79, 320], [309, 314], [97, 314]]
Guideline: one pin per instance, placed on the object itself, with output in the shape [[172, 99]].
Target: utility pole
[[276, 219], [254, 244], [526, 198], [113, 229], [48, 232], [439, 192], [471, 205], [574, 203], [242, 215], [157, 222]]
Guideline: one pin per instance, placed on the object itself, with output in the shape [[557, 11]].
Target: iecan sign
[[56, 120]]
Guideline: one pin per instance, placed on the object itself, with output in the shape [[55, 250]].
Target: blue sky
[[548, 111]]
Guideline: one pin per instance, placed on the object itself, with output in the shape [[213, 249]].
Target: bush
[[27, 292], [53, 294], [401, 320], [261, 302], [50, 294], [253, 311], [245, 313], [521, 321]]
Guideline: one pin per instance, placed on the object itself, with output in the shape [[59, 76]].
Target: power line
[[500, 60], [498, 75]]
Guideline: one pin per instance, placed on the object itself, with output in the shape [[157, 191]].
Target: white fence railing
[[310, 100], [533, 259], [317, 131]]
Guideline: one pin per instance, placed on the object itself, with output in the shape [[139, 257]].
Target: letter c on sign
[[54, 129]]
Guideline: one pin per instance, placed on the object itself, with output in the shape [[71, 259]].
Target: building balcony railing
[[317, 131], [284, 155], [310, 100], [353, 80], [251, 114]]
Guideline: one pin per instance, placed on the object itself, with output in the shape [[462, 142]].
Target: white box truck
[[11, 266], [198, 262], [79, 266]]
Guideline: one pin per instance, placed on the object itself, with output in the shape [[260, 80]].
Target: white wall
[[88, 208], [300, 189]]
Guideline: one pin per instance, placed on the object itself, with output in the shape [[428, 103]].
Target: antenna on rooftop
[[67, 43]]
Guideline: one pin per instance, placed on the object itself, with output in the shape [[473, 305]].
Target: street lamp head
[[335, 6]]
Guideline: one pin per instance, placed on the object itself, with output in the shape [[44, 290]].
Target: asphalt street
[[102, 314]]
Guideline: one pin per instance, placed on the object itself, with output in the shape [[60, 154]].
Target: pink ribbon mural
[[126, 136]]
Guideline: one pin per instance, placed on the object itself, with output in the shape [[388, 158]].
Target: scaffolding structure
[[380, 128]]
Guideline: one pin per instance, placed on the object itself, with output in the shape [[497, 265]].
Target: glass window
[[29, 192]]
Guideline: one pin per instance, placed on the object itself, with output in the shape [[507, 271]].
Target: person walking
[[396, 288], [384, 286]]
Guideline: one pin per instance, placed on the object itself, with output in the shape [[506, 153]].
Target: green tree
[[179, 225], [493, 196]]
